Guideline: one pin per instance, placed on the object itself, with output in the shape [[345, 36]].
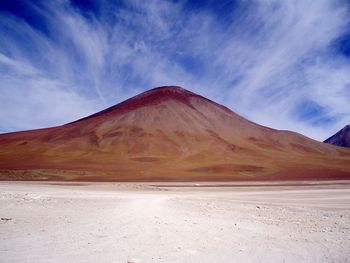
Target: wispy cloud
[[274, 62]]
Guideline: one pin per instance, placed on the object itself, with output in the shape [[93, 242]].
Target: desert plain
[[289, 221]]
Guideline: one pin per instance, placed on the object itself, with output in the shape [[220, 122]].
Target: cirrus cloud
[[277, 63]]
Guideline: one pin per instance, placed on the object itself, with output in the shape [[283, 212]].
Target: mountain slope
[[341, 138], [167, 133]]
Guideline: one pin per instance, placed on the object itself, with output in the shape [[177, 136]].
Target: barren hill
[[167, 133], [341, 138]]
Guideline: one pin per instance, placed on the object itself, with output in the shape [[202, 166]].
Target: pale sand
[[111, 222]]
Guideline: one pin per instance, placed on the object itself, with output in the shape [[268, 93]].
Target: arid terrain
[[167, 134], [290, 221], [341, 138]]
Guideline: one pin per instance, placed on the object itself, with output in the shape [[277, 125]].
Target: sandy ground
[[112, 222]]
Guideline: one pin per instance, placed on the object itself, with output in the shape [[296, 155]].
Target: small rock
[[6, 219], [133, 261]]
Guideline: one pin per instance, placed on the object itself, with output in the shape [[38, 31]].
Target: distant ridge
[[167, 134], [341, 138]]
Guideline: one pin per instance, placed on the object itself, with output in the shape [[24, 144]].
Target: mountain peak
[[169, 89], [153, 97], [341, 138], [167, 133], [165, 92]]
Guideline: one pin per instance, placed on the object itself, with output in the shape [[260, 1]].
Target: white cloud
[[32, 101], [261, 61]]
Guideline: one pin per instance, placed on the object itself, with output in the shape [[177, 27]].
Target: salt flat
[[162, 222]]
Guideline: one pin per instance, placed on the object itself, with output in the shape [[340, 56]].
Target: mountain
[[167, 134], [341, 138]]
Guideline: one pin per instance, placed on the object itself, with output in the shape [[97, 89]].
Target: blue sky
[[284, 64]]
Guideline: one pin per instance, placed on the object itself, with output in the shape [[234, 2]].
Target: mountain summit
[[341, 138], [153, 97], [167, 134]]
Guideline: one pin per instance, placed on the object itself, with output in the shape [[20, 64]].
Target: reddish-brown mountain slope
[[167, 133]]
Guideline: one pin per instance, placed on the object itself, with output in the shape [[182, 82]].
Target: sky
[[283, 64]]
